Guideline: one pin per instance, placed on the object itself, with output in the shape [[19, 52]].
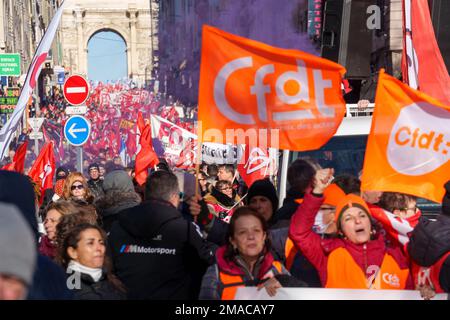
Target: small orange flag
[[249, 85], [409, 143]]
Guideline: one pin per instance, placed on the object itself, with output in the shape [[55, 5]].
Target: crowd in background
[[100, 235]]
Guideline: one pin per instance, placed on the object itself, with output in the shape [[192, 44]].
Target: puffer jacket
[[317, 249]]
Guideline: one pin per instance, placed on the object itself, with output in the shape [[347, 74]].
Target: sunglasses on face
[[78, 186]]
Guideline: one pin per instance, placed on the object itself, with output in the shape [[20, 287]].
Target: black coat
[[101, 290], [157, 254], [282, 218], [112, 203], [96, 187], [429, 241]]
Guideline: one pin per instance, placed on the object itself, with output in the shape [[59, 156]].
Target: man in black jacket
[[155, 252], [95, 183]]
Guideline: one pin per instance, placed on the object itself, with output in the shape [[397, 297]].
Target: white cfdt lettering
[[259, 89], [219, 90]]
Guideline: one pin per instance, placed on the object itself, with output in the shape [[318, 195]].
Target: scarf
[[222, 198], [95, 273]]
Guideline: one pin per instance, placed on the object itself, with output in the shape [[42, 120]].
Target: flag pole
[[283, 180]]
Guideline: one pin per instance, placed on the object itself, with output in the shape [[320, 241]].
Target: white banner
[[252, 293], [175, 139], [30, 83]]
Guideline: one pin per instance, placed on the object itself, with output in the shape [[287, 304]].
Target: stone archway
[[134, 22]]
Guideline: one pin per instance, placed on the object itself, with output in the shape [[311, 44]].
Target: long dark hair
[[71, 240], [230, 253]]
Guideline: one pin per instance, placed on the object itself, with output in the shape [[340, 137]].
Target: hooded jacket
[[156, 253], [49, 280], [317, 250], [112, 203]]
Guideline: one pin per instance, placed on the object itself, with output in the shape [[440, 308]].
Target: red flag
[[18, 162], [19, 157], [43, 169], [146, 157], [422, 65], [9, 166], [256, 164]]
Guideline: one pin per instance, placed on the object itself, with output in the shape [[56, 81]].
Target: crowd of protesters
[[99, 235]]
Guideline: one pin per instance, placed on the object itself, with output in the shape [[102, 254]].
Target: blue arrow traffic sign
[[77, 130]]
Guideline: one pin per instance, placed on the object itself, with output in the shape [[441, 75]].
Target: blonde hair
[[70, 180]]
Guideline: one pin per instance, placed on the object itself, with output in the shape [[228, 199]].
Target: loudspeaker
[[346, 39], [440, 13]]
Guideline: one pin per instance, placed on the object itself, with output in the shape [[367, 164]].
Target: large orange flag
[[245, 84], [409, 143]]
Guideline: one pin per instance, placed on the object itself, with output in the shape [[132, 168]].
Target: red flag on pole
[[43, 169], [423, 67], [146, 156], [257, 164], [18, 162]]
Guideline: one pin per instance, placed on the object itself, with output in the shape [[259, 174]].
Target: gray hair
[[161, 185]]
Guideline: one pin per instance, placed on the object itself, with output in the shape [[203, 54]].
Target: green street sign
[[10, 64]]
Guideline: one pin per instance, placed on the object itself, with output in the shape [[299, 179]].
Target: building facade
[[135, 21]]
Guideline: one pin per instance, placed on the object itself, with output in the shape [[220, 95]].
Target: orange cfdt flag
[[245, 84], [409, 143]]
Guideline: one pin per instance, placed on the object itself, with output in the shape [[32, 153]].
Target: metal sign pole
[[80, 159]]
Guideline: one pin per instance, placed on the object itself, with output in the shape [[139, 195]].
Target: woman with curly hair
[[76, 187]]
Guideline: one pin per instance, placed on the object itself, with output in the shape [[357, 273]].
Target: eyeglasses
[[78, 186], [226, 188]]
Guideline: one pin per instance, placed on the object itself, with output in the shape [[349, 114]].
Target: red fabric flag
[[18, 162], [43, 169], [423, 67], [9, 166], [256, 164], [19, 157], [146, 157]]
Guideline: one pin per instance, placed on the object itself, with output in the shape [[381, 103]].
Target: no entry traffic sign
[[76, 90]]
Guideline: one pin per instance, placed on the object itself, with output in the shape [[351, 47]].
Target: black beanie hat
[[446, 200], [266, 189]]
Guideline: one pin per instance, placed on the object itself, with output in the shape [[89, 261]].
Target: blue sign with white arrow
[[77, 130]]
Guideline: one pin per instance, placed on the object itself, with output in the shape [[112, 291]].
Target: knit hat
[[266, 189], [93, 166], [333, 194], [118, 180], [350, 200], [446, 200], [17, 245]]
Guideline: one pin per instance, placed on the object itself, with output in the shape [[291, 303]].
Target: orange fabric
[[232, 283], [349, 200], [409, 143], [299, 201], [333, 194], [289, 252], [245, 84], [344, 272]]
